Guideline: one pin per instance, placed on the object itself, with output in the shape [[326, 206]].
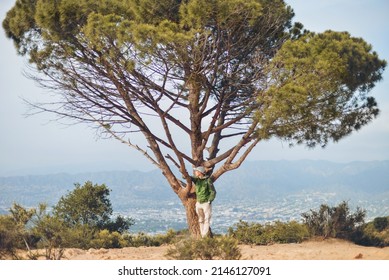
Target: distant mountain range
[[254, 180], [287, 177]]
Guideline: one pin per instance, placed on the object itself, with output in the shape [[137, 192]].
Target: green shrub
[[291, 232], [247, 233], [79, 236], [16, 232], [51, 234], [10, 238], [120, 224], [277, 232], [221, 248], [81, 219], [370, 235], [143, 239], [106, 239], [380, 223], [334, 221], [89, 206]]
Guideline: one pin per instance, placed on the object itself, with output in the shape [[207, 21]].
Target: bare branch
[[231, 166]]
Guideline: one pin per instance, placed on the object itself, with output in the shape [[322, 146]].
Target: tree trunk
[[192, 218], [191, 215]]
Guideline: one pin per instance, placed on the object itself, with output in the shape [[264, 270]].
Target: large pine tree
[[202, 81]]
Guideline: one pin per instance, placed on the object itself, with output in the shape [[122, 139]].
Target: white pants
[[204, 212]]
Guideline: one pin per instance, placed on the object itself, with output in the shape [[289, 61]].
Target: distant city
[[158, 217]]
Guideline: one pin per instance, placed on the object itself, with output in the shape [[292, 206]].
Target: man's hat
[[200, 169]]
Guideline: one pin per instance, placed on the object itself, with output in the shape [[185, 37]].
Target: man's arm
[[212, 191]]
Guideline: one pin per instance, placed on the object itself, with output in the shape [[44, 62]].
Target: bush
[[10, 238], [51, 232], [380, 223], [291, 232], [277, 232], [334, 221], [373, 233], [106, 239], [247, 233], [89, 205], [142, 239], [81, 219], [120, 224], [15, 232], [221, 248]]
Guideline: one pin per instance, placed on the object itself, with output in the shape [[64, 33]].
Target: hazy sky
[[37, 145]]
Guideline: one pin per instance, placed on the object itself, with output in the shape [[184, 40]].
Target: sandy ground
[[331, 249]]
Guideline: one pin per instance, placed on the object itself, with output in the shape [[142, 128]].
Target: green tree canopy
[[319, 88], [221, 74], [86, 205], [89, 205]]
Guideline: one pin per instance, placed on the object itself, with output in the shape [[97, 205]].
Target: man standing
[[205, 194]]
